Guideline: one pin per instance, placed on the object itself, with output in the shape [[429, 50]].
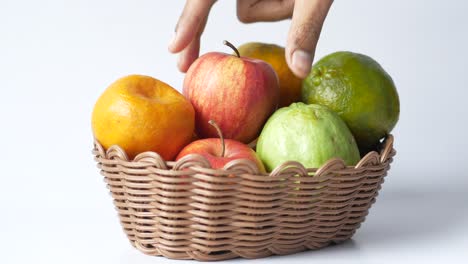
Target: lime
[[359, 90]]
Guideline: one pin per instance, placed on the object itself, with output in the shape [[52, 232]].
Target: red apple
[[220, 151], [239, 93]]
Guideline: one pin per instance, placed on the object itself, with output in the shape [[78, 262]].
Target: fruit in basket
[[290, 85], [357, 88], [310, 134], [238, 93], [220, 151], [140, 113]]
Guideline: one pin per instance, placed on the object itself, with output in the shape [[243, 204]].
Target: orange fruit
[[290, 85], [140, 113]]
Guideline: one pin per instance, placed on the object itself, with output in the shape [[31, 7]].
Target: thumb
[[306, 24]]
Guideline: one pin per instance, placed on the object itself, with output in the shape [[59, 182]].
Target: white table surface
[[56, 57], [427, 226]]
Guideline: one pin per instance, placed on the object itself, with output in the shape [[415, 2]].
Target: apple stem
[[220, 134], [229, 44]]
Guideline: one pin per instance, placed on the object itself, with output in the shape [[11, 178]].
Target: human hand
[[307, 20]]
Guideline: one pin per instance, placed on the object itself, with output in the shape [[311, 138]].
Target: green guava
[[359, 90], [310, 134]]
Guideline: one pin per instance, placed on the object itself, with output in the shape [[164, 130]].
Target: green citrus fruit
[[310, 134], [357, 88]]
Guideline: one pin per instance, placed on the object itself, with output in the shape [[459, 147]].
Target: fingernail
[[302, 62]]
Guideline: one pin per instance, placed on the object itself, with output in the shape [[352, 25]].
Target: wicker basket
[[186, 210]]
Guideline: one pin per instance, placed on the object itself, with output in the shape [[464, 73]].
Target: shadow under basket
[[187, 210]]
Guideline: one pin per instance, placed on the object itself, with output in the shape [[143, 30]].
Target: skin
[[239, 94], [211, 149], [307, 17]]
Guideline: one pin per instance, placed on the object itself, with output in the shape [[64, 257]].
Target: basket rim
[[199, 163]]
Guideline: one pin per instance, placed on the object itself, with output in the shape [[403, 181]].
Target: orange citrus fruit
[[290, 85], [140, 113]]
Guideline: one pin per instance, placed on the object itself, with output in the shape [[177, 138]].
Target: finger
[[193, 15], [191, 52], [189, 55], [306, 24], [249, 11]]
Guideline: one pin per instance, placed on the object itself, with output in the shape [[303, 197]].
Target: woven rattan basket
[[186, 210]]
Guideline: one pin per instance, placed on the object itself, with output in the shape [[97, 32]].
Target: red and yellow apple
[[239, 93], [220, 151]]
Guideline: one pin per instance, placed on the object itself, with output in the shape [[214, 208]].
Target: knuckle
[[244, 16], [245, 9]]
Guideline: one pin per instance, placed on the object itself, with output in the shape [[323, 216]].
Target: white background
[[56, 57]]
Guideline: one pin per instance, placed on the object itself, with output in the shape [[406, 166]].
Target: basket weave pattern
[[187, 210]]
